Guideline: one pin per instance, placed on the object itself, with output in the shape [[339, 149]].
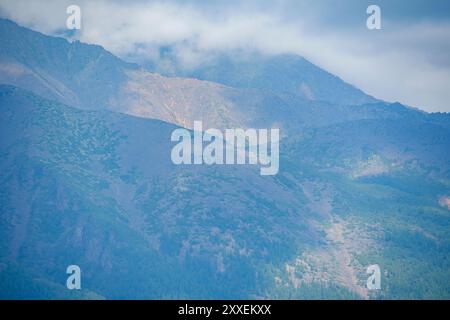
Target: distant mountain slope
[[279, 73], [73, 73], [89, 77]]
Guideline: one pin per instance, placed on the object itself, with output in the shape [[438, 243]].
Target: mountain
[[90, 77], [99, 189], [86, 178], [279, 73], [74, 73]]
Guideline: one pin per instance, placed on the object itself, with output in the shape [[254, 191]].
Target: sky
[[408, 60]]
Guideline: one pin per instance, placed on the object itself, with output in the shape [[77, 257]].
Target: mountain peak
[[288, 73]]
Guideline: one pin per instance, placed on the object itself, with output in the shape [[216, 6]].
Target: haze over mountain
[[279, 73], [90, 77], [86, 178]]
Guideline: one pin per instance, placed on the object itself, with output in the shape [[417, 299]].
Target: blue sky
[[407, 61]]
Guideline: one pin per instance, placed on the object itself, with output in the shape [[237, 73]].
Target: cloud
[[406, 61]]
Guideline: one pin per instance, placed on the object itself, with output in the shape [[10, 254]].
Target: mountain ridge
[[283, 73], [96, 79]]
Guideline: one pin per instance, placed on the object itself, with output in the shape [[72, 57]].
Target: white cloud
[[405, 62]]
